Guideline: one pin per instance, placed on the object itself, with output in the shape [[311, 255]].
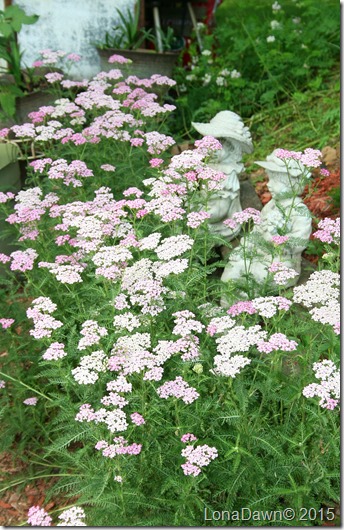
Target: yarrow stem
[[26, 386]]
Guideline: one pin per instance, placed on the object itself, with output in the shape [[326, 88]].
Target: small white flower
[[235, 74], [224, 72], [270, 38], [206, 79], [304, 47], [297, 20], [276, 6], [206, 53], [190, 77], [220, 81], [275, 24]]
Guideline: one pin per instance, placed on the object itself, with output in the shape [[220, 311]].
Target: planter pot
[[145, 63], [9, 181], [31, 102], [38, 95], [26, 104]]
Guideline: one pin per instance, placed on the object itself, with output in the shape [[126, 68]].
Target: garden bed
[[139, 388]]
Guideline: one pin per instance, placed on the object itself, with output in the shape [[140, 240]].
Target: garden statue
[[235, 138], [270, 255]]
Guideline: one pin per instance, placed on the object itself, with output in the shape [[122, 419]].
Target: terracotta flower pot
[[145, 63], [39, 95]]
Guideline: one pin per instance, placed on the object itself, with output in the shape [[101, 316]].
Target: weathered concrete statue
[[282, 234], [235, 138]]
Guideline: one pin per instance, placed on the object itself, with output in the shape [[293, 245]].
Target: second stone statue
[[235, 138]]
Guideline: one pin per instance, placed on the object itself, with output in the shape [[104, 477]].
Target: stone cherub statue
[[235, 138], [276, 243]]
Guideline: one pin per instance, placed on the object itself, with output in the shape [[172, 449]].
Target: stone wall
[[69, 25]]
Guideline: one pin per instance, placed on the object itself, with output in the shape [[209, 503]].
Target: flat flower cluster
[[40, 313], [328, 390], [196, 457], [309, 158], [179, 389], [321, 294], [281, 273], [120, 447], [329, 231]]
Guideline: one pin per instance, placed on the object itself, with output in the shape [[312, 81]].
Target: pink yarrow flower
[[208, 144], [329, 230], [189, 437], [54, 352], [309, 158], [156, 162], [282, 273], [6, 322], [32, 401], [119, 59], [53, 77], [23, 260], [230, 223], [277, 341], [38, 517], [74, 57], [4, 258], [108, 167], [246, 215], [179, 389], [195, 219], [279, 240], [137, 418], [241, 307], [197, 457]]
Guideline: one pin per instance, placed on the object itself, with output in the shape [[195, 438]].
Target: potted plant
[[127, 41]]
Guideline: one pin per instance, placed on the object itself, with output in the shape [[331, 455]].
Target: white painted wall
[[69, 25], [2, 62]]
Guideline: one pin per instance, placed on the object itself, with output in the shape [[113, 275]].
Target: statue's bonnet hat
[[277, 165], [227, 124]]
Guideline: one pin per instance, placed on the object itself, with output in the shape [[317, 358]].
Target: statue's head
[[229, 128], [285, 176]]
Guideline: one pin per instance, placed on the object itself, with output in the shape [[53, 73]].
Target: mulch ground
[[15, 502]]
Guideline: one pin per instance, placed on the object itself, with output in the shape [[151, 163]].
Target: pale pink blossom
[[38, 517]]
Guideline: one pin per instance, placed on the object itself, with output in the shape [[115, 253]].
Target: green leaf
[[18, 17], [8, 103], [5, 29]]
